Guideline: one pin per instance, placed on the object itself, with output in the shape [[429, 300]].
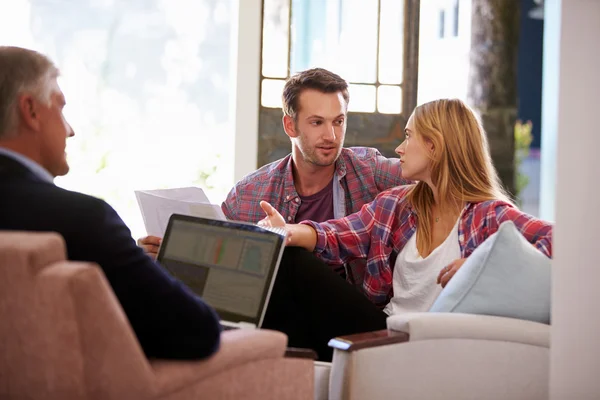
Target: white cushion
[[505, 276]]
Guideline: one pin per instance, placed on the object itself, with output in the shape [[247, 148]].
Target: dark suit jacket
[[168, 319]]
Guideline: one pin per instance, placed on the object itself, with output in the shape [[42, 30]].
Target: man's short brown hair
[[316, 78]]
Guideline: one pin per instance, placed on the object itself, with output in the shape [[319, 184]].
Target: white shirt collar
[[34, 167]]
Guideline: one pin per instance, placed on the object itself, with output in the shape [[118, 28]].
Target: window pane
[[275, 38], [455, 15], [362, 98], [147, 87], [391, 41], [338, 35], [271, 91], [389, 100]]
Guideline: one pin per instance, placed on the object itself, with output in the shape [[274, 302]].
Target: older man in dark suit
[[168, 319]]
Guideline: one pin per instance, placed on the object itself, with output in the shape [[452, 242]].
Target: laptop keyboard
[[278, 230], [228, 327]]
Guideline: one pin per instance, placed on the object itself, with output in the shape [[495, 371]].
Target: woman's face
[[414, 154]]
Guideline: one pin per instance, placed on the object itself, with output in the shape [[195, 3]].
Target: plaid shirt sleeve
[[388, 173], [368, 234], [243, 201], [342, 240], [536, 231], [230, 205], [488, 216], [267, 183]]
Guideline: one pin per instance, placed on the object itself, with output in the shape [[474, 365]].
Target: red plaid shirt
[[361, 173], [379, 231]]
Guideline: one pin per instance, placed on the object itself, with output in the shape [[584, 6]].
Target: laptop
[[232, 265]]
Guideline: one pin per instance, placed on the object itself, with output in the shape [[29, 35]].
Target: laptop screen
[[229, 264]]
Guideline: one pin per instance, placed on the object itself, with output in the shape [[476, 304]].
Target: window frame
[[373, 129]]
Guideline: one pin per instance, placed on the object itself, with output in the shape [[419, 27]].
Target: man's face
[[54, 131], [320, 126]]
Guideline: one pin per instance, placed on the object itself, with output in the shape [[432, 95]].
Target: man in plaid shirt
[[320, 179]]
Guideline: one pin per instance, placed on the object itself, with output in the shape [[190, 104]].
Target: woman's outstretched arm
[[299, 235], [538, 232]]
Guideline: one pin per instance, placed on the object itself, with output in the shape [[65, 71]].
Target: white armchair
[[443, 356]]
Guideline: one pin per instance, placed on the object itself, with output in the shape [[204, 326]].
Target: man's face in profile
[[53, 134]]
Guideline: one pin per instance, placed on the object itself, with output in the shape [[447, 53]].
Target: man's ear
[[29, 112], [289, 125]]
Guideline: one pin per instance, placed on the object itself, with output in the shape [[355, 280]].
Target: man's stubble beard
[[310, 154]]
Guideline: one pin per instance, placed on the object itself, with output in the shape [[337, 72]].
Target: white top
[[414, 277]]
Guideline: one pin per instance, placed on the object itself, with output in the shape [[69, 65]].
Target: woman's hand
[[273, 218], [297, 234], [449, 270]]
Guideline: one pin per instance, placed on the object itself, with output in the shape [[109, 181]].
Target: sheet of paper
[[212, 211], [192, 193], [158, 205]]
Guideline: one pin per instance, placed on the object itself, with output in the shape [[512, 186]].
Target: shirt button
[[287, 198], [289, 218], [297, 200]]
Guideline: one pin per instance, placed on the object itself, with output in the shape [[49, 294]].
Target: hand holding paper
[[150, 244]]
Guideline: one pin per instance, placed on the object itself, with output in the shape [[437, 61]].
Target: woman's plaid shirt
[[379, 231]]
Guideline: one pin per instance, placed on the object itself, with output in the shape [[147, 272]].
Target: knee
[[293, 256], [288, 260], [289, 268], [295, 252]]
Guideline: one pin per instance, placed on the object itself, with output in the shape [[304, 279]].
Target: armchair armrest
[[238, 347], [296, 352], [428, 326], [365, 340]]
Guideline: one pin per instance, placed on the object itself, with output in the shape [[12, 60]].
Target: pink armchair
[[63, 335]]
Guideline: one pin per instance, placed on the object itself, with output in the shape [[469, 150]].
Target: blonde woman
[[414, 237]]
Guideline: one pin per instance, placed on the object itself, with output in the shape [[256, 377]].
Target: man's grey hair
[[22, 71]]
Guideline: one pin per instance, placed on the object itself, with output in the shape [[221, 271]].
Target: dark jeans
[[312, 304]]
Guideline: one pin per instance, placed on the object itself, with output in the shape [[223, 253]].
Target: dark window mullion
[[262, 78], [377, 83], [373, 84], [262, 38], [289, 54]]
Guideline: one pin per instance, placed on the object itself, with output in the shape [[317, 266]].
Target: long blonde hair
[[461, 165]]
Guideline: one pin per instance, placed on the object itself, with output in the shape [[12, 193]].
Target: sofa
[[64, 335], [442, 356]]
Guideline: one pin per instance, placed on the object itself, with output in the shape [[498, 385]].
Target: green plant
[[523, 139]]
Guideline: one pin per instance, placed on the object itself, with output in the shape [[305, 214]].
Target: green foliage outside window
[[523, 139]]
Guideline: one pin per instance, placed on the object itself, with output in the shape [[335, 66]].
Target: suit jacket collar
[[11, 168]]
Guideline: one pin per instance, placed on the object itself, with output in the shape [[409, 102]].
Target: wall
[[575, 345], [244, 104]]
